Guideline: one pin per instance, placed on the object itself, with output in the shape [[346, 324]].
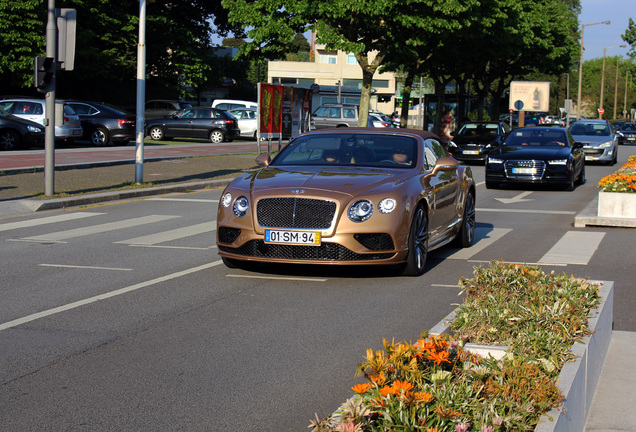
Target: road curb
[[58, 203]]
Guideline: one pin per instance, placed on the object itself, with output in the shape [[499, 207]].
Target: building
[[338, 76]]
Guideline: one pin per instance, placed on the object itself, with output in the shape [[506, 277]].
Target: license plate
[[631, 138], [524, 170], [308, 238], [77, 132], [471, 152], [589, 158]]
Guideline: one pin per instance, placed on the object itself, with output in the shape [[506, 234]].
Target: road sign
[[601, 111]]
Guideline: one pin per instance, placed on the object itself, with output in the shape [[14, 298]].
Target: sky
[[598, 37]]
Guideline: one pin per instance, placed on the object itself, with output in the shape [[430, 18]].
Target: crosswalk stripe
[[47, 220], [184, 199], [174, 234], [484, 237], [96, 229], [575, 247]]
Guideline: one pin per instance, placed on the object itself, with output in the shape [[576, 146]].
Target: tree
[[20, 42]]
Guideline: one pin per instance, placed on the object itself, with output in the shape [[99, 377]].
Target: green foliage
[[22, 37]]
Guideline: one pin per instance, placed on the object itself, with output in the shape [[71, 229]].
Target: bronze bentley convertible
[[356, 196]]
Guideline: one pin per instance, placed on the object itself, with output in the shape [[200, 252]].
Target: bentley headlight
[[226, 200], [558, 162], [360, 211], [387, 205], [240, 206], [607, 144]]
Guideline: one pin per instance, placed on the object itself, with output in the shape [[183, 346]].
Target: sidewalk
[[612, 408]]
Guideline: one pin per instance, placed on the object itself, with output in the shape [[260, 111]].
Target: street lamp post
[[616, 89], [578, 102], [625, 102], [600, 109]]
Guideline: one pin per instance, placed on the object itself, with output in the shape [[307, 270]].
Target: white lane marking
[[172, 247], [105, 296], [170, 235], [184, 199], [563, 212], [277, 278], [85, 267], [484, 237], [575, 247], [47, 220], [101, 228], [516, 262], [516, 199], [446, 286]]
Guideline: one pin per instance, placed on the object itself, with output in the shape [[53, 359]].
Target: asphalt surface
[[84, 181]]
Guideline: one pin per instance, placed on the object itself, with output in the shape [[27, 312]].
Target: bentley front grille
[[295, 213]]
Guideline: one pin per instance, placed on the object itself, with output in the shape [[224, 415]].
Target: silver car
[[600, 142], [67, 123], [247, 121]]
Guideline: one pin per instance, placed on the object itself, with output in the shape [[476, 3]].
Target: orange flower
[[378, 379], [402, 385], [422, 397], [387, 390], [361, 388], [439, 357]]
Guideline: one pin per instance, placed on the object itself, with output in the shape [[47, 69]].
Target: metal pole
[[600, 106], [616, 89], [578, 102], [49, 132], [625, 102], [141, 94]]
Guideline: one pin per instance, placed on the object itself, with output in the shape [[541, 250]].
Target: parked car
[[231, 104], [17, 133], [627, 133], [196, 122], [376, 120], [335, 115], [475, 140], [600, 142], [537, 155], [362, 196], [67, 123], [104, 123], [247, 121], [156, 108]]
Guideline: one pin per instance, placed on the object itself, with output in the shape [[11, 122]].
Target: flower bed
[[623, 180], [436, 385]]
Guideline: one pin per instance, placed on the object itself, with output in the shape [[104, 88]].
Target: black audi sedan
[[17, 133], [196, 122], [627, 133], [537, 155], [103, 124], [475, 140]]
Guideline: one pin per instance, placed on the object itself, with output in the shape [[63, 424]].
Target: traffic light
[[44, 73]]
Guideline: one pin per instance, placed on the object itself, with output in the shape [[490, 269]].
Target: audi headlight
[[387, 205], [558, 162], [35, 129], [226, 200], [607, 144], [360, 211], [495, 161], [241, 205], [451, 144]]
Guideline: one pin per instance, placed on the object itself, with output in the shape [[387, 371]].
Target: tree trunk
[[406, 98]]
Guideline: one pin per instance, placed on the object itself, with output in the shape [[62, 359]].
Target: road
[[122, 316]]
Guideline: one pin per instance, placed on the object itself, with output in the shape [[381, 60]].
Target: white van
[[230, 104]]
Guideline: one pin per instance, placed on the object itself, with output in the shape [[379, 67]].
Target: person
[[401, 155], [330, 156], [446, 126]]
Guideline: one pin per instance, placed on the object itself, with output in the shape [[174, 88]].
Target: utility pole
[[49, 132]]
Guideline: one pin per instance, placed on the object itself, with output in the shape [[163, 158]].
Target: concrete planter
[[617, 204], [578, 379]]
